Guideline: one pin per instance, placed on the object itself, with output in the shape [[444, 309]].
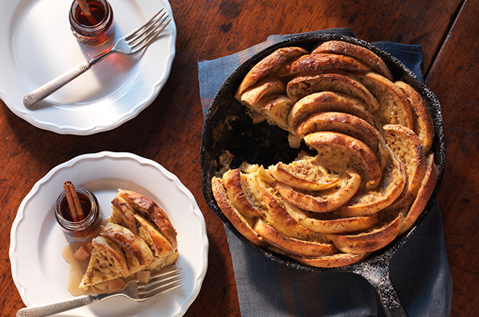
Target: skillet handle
[[377, 274]]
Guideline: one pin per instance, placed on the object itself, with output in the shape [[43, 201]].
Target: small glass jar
[[85, 30], [91, 211]]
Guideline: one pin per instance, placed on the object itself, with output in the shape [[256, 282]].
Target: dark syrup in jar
[[97, 10], [85, 206], [86, 226]]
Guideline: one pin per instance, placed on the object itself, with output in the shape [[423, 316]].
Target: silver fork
[[158, 284], [127, 45]]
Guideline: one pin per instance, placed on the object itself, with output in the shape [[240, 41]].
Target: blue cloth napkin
[[419, 270]]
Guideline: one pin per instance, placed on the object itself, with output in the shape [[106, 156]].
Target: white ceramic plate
[[38, 268], [36, 45]]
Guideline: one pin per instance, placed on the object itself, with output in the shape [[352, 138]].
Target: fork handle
[[50, 309], [47, 89]]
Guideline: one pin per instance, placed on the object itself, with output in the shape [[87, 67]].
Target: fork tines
[[149, 30], [161, 283]]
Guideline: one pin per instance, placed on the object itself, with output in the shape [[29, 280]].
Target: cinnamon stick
[[86, 11], [73, 201]]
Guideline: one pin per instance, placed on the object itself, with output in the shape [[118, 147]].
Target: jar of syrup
[[95, 29], [91, 220]]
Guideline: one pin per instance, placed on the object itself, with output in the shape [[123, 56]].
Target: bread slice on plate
[[123, 214], [146, 206], [163, 251], [131, 241], [107, 263], [137, 253]]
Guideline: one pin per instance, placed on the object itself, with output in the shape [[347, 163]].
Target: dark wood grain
[[454, 76], [169, 130]]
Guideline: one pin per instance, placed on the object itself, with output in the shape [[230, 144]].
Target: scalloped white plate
[[36, 45], [36, 241]]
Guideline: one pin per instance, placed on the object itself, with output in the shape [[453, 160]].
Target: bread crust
[[330, 223], [304, 174], [96, 273], [423, 125], [292, 245], [370, 240], [275, 215], [233, 215], [322, 201], [138, 254], [392, 183], [264, 88], [276, 109], [362, 157], [302, 86], [233, 182], [394, 107], [313, 64], [346, 124], [123, 214], [330, 261], [427, 187], [156, 214], [363, 54], [163, 251], [327, 101], [269, 65], [408, 148]]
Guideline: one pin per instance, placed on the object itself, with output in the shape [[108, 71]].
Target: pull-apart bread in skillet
[[326, 101], [303, 86], [370, 170], [423, 125], [138, 237], [364, 55]]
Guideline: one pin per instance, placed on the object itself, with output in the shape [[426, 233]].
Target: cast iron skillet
[[228, 127]]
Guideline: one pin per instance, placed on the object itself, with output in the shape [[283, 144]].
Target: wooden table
[[169, 130]]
